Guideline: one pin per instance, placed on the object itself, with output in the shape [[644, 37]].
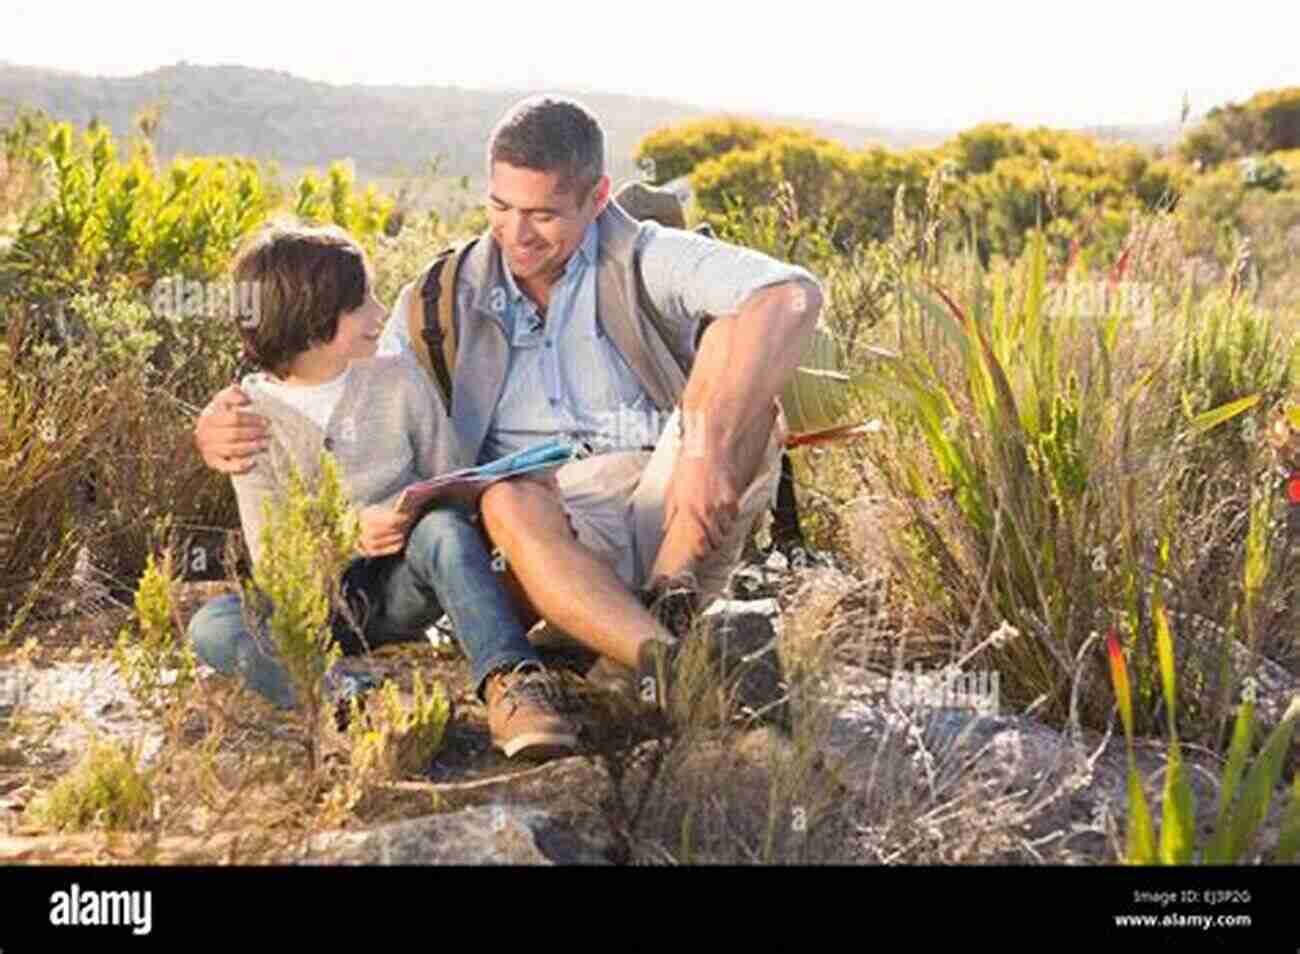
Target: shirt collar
[[587, 248]]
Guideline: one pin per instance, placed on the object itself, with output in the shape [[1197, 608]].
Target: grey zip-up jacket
[[388, 430]]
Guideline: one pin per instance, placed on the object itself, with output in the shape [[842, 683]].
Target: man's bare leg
[[683, 543], [563, 580]]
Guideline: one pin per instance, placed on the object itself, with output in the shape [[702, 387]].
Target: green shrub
[[108, 222], [336, 200], [157, 662], [105, 223], [390, 740], [56, 411], [1243, 806], [1263, 174], [1267, 122], [97, 443], [397, 260], [106, 789], [1226, 350], [310, 536], [978, 149], [671, 153], [851, 194], [1032, 449]]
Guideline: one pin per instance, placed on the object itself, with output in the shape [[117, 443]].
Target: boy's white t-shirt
[[316, 401]]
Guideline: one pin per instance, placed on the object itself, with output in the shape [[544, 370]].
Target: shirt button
[[555, 402], [548, 342]]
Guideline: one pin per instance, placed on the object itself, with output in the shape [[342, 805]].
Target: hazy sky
[[909, 64]]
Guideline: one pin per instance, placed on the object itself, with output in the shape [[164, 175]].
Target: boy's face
[[537, 226], [358, 331]]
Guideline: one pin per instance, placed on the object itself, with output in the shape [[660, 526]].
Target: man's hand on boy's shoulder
[[228, 438]]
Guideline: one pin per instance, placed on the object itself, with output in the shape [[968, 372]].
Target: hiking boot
[[739, 655], [557, 649], [610, 676], [673, 602], [524, 717], [655, 675]]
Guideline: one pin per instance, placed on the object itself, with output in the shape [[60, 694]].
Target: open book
[[467, 485]]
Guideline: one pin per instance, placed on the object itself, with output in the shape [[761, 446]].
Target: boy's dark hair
[[304, 278], [551, 134]]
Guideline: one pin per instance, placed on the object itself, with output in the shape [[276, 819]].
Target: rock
[[483, 835], [830, 616], [1198, 656], [1275, 687], [743, 635], [750, 582], [1040, 780], [759, 607], [102, 704]]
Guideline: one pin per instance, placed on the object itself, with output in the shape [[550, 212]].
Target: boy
[[314, 338]]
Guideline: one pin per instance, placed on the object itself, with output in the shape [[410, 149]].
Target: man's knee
[[515, 502]]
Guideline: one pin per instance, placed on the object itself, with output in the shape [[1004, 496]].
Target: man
[[673, 379]]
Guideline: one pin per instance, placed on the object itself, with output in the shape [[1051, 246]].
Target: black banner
[[1008, 909]]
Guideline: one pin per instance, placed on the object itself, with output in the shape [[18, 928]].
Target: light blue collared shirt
[[597, 396], [564, 376]]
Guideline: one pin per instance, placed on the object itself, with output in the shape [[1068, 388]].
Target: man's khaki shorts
[[615, 504]]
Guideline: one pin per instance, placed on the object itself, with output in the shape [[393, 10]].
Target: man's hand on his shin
[[704, 494]]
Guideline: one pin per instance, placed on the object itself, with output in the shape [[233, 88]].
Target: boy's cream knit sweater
[[389, 429]]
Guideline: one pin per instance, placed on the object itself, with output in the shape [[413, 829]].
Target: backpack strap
[[432, 324]]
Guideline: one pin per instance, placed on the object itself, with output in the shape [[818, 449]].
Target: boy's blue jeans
[[445, 566]]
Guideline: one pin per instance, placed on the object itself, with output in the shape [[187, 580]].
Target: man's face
[[537, 226]]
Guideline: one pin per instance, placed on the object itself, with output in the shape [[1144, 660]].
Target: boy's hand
[[228, 438], [383, 531]]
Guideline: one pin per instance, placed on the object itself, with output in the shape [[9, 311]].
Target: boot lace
[[529, 682]]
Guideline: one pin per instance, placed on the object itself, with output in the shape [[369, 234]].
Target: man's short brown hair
[[551, 134], [305, 279]]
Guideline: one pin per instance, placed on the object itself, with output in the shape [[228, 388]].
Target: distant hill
[[1152, 134], [388, 131]]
